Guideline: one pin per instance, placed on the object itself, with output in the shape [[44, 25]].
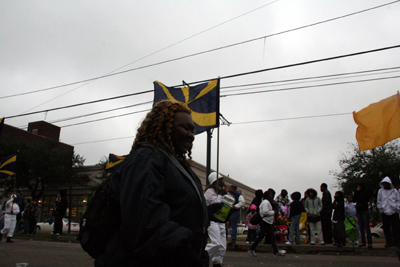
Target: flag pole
[[218, 152], [208, 167], [15, 176]]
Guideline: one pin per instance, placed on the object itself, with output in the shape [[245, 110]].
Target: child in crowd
[[294, 215], [251, 233], [339, 231], [351, 213]]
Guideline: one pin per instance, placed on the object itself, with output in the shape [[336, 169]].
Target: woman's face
[[182, 132]]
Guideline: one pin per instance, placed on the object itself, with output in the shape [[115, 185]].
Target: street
[[45, 253]]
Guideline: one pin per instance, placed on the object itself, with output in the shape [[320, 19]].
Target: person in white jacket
[[10, 218], [267, 223], [216, 231], [388, 203]]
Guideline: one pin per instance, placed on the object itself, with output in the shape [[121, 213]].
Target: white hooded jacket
[[388, 201]]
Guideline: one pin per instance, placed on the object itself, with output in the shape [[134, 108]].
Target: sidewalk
[[378, 249]]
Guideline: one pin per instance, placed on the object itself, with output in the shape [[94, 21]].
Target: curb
[[377, 250], [53, 238]]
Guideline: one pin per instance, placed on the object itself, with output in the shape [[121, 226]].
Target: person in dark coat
[[162, 208], [256, 200], [326, 214], [339, 230], [60, 208], [361, 198], [33, 216], [295, 214]]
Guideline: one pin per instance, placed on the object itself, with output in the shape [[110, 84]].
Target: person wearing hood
[[10, 218], [267, 213], [256, 200], [282, 200], [388, 203], [295, 215], [361, 198], [313, 207]]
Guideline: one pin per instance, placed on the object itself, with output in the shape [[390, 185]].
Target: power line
[[94, 113], [310, 86], [111, 139], [148, 102], [80, 104], [206, 51], [310, 81], [243, 85], [302, 63], [100, 112], [225, 77], [196, 34], [153, 53], [140, 59], [233, 123], [107, 118], [293, 118], [276, 90], [310, 78]]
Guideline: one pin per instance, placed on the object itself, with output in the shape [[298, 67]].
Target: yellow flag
[[378, 123]]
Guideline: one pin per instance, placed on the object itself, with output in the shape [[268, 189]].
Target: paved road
[[44, 253]]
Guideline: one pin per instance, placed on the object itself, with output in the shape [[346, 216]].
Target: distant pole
[[15, 177], [218, 152], [208, 168]]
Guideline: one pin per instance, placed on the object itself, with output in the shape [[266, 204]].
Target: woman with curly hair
[[163, 211]]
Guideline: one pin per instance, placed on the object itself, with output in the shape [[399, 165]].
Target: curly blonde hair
[[156, 128]]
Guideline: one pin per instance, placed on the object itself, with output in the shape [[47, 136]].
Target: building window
[[77, 205]]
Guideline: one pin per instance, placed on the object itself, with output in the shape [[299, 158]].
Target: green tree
[[104, 177], [41, 165], [369, 167]]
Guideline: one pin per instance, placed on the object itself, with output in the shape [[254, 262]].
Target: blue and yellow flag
[[114, 162], [8, 166], [202, 100]]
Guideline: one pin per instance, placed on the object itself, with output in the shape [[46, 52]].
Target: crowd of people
[[17, 209], [330, 221], [23, 212]]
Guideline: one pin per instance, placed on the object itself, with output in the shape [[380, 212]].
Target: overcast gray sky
[[50, 43]]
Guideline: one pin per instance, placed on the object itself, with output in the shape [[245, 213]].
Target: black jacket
[[163, 217], [361, 198], [326, 202], [295, 207], [61, 205], [338, 206]]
